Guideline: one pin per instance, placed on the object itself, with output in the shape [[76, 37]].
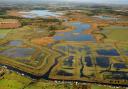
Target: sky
[[86, 1], [102, 1]]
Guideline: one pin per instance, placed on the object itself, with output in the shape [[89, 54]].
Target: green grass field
[[48, 85], [16, 81], [118, 33], [103, 87], [13, 81], [4, 32]]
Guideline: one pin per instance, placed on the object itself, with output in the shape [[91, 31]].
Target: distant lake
[[106, 17], [39, 13]]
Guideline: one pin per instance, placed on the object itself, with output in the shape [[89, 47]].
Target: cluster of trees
[[10, 17], [121, 13], [56, 27], [106, 10], [2, 12], [40, 21], [52, 29], [100, 11], [25, 22], [55, 20]]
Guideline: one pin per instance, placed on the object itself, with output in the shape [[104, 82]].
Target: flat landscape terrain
[[58, 48]]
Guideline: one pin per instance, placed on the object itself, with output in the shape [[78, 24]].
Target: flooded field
[[103, 62], [75, 35], [15, 43], [18, 52], [88, 61], [65, 44], [110, 52]]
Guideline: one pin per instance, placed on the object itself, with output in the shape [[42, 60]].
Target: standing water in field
[[75, 35], [18, 52], [15, 43]]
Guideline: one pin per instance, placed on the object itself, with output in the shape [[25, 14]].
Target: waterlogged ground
[[75, 35], [91, 52]]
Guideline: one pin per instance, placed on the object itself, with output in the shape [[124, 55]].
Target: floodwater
[[18, 52], [103, 62], [110, 52], [120, 65], [88, 61], [69, 61], [15, 43], [75, 35]]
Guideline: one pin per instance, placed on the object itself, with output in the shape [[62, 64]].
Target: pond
[[18, 52], [64, 73], [120, 65], [39, 13], [88, 61], [108, 52], [69, 61], [103, 62], [15, 43], [75, 35]]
